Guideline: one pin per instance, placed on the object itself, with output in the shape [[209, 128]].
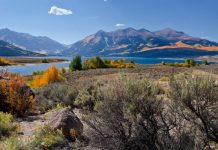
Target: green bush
[[163, 63], [38, 73], [98, 62], [197, 101], [190, 62], [87, 65], [45, 61], [7, 126], [76, 64], [54, 94], [94, 63], [85, 100], [124, 108], [11, 143], [205, 62], [88, 96], [46, 138]]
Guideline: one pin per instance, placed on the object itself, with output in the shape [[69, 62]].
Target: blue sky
[[68, 21]]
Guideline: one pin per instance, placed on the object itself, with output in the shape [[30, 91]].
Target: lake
[[30, 68]]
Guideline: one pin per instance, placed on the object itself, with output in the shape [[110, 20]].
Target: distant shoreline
[[15, 61]]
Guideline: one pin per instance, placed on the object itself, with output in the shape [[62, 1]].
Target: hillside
[[39, 44], [132, 42], [7, 49]]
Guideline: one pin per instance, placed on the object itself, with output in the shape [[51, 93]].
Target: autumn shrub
[[15, 96], [130, 65], [49, 76], [122, 64], [47, 138]]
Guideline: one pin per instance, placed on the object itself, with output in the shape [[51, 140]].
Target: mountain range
[[7, 49], [38, 44], [143, 43], [128, 42]]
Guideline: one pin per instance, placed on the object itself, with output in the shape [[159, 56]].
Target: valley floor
[[58, 93]]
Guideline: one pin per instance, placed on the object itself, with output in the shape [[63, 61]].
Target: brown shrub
[[15, 95]]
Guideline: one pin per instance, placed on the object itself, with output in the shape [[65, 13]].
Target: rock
[[65, 120], [26, 90]]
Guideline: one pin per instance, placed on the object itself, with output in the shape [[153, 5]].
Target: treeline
[[98, 62], [51, 75], [189, 62]]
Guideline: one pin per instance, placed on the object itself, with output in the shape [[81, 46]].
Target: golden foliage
[[121, 64], [50, 76]]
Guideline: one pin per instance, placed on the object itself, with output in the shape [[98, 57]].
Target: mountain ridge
[[129, 41], [39, 44], [7, 49]]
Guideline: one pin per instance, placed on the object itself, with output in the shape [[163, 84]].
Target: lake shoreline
[[28, 65], [22, 61]]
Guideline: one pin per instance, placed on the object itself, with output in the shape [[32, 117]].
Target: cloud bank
[[59, 11]]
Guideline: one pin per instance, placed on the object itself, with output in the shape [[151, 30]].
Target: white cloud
[[59, 11], [120, 25]]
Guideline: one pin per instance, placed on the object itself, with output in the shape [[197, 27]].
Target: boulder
[[66, 120], [26, 90]]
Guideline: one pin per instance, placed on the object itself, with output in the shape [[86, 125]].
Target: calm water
[[30, 68]]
